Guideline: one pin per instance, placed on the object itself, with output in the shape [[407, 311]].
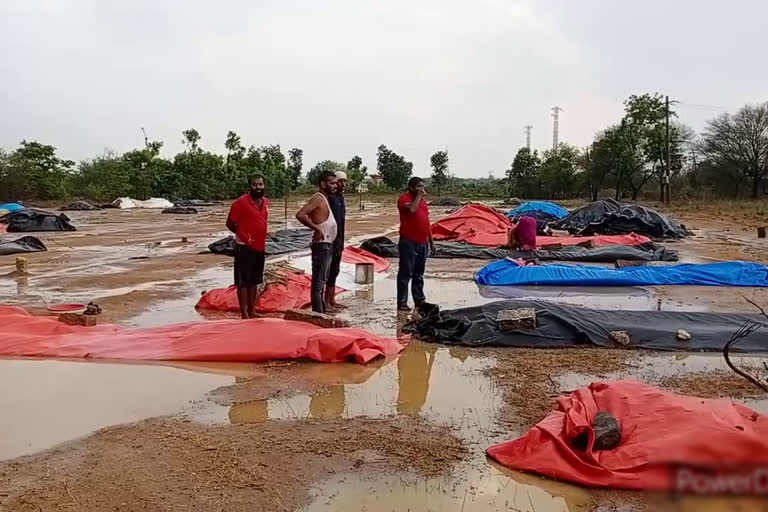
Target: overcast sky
[[338, 78]]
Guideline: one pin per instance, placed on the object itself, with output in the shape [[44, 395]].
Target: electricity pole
[[667, 186], [528, 129], [555, 126], [146, 140]]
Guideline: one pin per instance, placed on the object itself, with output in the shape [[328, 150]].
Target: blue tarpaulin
[[732, 273], [12, 207], [538, 206]]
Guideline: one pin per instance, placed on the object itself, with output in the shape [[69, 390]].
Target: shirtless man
[[317, 216]]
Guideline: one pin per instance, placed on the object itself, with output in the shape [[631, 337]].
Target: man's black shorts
[[249, 266]]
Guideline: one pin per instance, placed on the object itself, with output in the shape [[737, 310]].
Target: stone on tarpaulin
[[516, 319], [620, 338], [607, 433], [683, 335], [319, 319], [77, 319]]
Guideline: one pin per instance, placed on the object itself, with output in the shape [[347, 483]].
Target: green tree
[[103, 178], [628, 159], [395, 171], [195, 173], [601, 161], [12, 183], [313, 176], [235, 172], [356, 172], [35, 171], [523, 176], [645, 127], [439, 162], [295, 164], [274, 169], [740, 141], [235, 149], [142, 168], [557, 176], [191, 138]]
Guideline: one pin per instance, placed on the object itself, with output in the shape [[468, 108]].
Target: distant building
[[375, 179]]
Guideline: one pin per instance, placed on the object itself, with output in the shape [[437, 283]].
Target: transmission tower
[[528, 129], [555, 126]]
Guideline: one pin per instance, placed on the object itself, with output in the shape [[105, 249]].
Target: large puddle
[[48, 402]]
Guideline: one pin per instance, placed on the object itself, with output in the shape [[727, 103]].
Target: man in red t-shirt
[[415, 243], [248, 220]]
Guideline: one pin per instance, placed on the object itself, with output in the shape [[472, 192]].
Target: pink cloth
[[525, 233]]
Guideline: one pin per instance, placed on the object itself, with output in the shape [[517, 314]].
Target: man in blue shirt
[[339, 208]]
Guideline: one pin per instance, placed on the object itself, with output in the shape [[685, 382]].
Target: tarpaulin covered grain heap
[[607, 217], [667, 441]]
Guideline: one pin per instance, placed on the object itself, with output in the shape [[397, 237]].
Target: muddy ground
[[403, 434]]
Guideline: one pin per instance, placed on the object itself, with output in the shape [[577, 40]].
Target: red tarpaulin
[[354, 255], [474, 224], [665, 436], [261, 339], [478, 224], [293, 293]]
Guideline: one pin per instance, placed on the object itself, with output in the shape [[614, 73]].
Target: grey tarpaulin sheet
[[604, 254], [31, 220], [21, 245], [278, 242], [560, 325], [386, 248]]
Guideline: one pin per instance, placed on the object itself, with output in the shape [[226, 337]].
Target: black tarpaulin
[[578, 219], [560, 325], [80, 206], [31, 220], [194, 203], [387, 248], [607, 217], [446, 202], [605, 254], [181, 210], [21, 245], [279, 242]]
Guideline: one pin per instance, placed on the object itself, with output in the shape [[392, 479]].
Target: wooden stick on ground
[[744, 331]]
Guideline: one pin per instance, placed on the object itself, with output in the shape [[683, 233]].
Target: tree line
[[729, 158], [628, 159], [35, 171]]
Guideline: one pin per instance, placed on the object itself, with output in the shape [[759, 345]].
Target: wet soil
[[171, 464], [718, 384], [128, 260], [404, 434]]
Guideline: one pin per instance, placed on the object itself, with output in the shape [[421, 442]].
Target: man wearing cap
[[339, 208]]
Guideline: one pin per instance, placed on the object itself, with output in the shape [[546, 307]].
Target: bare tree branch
[[744, 331]]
